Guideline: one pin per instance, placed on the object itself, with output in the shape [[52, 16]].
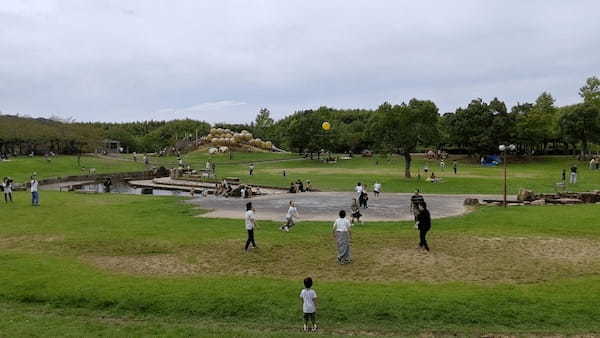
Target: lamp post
[[504, 148]]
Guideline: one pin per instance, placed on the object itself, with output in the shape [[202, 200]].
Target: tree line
[[478, 128]]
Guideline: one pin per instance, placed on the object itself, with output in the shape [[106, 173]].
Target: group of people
[[342, 234], [299, 186], [7, 187]]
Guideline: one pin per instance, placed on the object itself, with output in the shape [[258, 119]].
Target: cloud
[[125, 59], [202, 107]]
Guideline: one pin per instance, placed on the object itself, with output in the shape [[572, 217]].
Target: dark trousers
[[423, 240], [7, 197], [250, 239]]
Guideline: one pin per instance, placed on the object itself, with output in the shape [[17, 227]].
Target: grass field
[[21, 168], [123, 265], [540, 174]]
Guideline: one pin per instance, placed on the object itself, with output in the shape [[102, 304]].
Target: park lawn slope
[[540, 174], [50, 258], [21, 168]]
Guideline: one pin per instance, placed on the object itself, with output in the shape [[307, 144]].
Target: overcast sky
[[223, 60]]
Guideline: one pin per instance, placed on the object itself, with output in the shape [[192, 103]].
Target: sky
[[221, 61]]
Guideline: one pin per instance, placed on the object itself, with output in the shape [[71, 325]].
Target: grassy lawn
[[21, 168], [197, 159], [143, 265], [540, 174]]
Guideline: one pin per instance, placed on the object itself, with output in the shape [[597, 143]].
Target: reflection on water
[[124, 188]]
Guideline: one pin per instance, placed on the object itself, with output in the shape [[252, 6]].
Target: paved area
[[324, 206]]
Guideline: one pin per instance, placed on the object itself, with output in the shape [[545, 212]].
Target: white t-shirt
[[249, 220], [342, 224], [7, 188], [34, 185], [377, 187], [292, 211], [308, 296], [359, 189]]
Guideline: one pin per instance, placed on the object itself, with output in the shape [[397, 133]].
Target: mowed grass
[[540, 174], [21, 168], [117, 264], [197, 159]]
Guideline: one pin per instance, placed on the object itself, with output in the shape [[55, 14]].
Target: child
[[308, 297], [355, 212], [289, 218], [365, 200]]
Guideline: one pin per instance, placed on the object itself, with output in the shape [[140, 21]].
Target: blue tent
[[491, 160]]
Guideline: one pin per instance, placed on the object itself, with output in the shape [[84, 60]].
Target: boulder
[[471, 201], [525, 195], [588, 197], [538, 202], [569, 201]]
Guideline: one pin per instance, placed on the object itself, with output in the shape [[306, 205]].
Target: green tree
[[591, 91], [581, 123], [401, 128]]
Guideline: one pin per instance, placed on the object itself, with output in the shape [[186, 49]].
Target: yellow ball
[[326, 125]]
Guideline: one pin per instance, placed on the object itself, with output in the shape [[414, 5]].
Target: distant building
[[110, 146]]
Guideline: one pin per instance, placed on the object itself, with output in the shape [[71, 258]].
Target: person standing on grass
[[342, 233], [308, 298], [454, 166], [289, 218], [250, 226], [355, 212], [7, 187], [251, 169], [35, 195], [377, 189], [415, 200], [564, 176], [423, 225], [573, 177]]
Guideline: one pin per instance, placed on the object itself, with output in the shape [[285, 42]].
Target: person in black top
[[423, 224], [573, 178], [415, 200]]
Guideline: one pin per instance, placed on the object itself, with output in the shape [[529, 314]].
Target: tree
[[591, 91], [263, 123], [581, 123], [401, 128], [471, 127], [538, 125]]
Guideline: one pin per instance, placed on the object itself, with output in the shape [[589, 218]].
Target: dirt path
[[324, 206]]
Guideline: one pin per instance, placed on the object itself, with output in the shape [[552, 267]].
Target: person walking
[[250, 226], [359, 190], [564, 176], [423, 225], [455, 166], [251, 169], [342, 233], [289, 217], [35, 195], [7, 187], [415, 200], [376, 189], [573, 177], [355, 212], [308, 298]]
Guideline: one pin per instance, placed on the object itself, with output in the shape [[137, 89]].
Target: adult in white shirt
[[7, 187], [35, 195], [250, 226], [359, 190], [377, 188], [343, 235], [289, 217]]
